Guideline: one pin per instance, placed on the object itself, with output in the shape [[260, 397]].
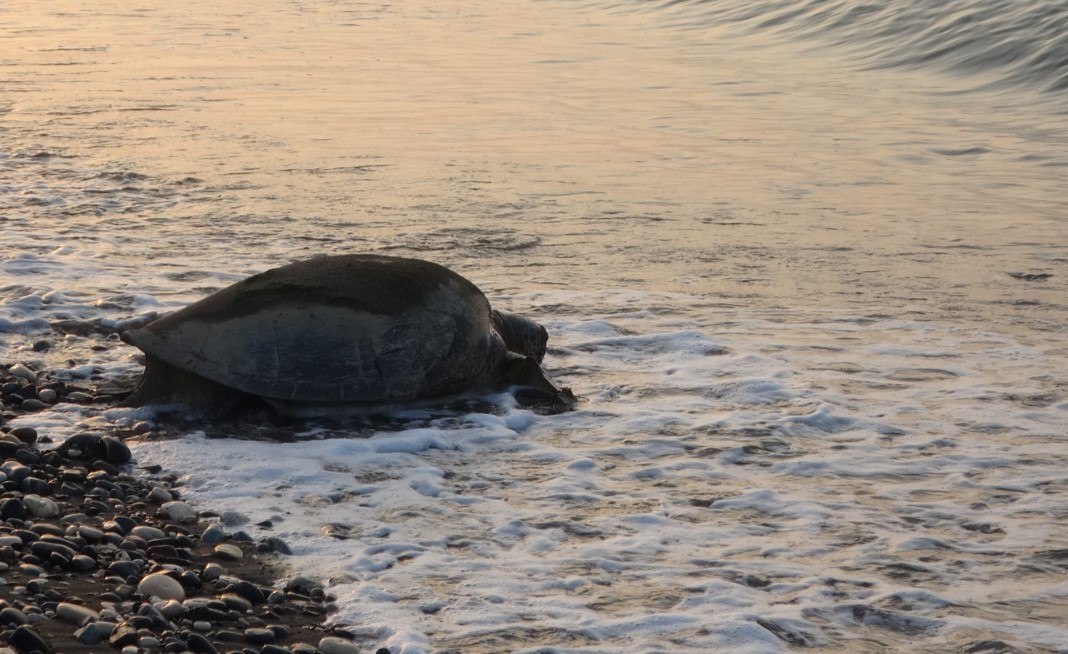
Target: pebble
[[26, 639], [172, 609], [40, 507], [115, 451], [12, 616], [199, 644], [228, 552], [160, 494], [148, 533], [161, 586], [276, 544], [335, 645], [47, 395], [236, 603], [179, 511], [91, 534], [123, 635], [95, 632], [213, 535], [72, 514], [233, 518], [35, 486], [75, 614], [22, 372], [249, 591], [212, 571], [24, 434], [32, 404], [260, 636]]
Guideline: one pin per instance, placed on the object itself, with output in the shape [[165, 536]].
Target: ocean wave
[[1003, 44]]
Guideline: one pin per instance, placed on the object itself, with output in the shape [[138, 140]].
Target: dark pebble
[[26, 639], [276, 544], [303, 586], [35, 486], [249, 591], [237, 603], [15, 471], [29, 457], [25, 434], [124, 635], [153, 614], [260, 636], [228, 636], [190, 580], [12, 616], [275, 649], [47, 529], [213, 535], [32, 404], [12, 507], [115, 451], [200, 645], [124, 569]]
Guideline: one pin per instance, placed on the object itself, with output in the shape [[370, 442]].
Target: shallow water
[[812, 297]]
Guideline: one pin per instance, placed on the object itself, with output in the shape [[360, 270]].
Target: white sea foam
[[690, 498]]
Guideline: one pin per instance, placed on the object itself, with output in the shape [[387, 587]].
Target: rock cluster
[[26, 391], [94, 558]]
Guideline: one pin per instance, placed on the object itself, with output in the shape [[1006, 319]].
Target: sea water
[[803, 262]]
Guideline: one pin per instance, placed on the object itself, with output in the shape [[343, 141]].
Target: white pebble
[[178, 511], [40, 507], [47, 395], [148, 533], [19, 370], [212, 571], [75, 614], [228, 552], [335, 645], [161, 586], [160, 494], [172, 609], [233, 518]]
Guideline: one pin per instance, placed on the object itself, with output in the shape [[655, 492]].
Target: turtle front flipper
[[537, 389]]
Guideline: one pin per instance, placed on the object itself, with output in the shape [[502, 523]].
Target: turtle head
[[521, 335]]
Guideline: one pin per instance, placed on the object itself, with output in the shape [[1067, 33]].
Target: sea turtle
[[353, 332]]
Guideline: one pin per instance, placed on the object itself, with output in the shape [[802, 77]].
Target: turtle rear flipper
[[164, 384]]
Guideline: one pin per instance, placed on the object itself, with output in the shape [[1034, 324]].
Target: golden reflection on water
[[708, 167]]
